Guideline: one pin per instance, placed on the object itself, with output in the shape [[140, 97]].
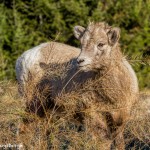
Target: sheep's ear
[[113, 35], [78, 31]]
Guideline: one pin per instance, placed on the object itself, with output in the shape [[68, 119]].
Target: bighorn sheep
[[106, 83], [28, 64]]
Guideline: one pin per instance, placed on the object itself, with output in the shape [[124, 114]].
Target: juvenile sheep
[[106, 84], [28, 70]]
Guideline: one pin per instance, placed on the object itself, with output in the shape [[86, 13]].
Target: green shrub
[[25, 24]]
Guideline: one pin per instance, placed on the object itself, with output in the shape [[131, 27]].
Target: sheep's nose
[[79, 61]]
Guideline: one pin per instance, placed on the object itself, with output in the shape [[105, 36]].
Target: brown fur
[[104, 91]]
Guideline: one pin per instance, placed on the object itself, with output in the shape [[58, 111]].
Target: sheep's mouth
[[84, 67]]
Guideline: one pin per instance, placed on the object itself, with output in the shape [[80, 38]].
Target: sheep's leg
[[116, 122], [119, 141], [120, 118], [96, 127]]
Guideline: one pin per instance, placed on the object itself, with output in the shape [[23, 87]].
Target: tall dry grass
[[54, 131], [60, 128]]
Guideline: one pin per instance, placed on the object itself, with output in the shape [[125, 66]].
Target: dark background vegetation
[[27, 23]]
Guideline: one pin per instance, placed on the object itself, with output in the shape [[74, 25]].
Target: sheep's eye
[[100, 45]]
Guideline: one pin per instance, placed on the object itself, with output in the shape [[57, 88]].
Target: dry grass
[[60, 130], [55, 131]]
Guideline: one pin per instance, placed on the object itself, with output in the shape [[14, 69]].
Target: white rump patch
[[27, 61]]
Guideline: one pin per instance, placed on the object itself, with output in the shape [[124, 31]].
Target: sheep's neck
[[116, 57]]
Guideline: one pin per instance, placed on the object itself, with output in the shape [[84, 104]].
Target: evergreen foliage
[[27, 23]]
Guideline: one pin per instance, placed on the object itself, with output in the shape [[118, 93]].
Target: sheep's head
[[97, 42]]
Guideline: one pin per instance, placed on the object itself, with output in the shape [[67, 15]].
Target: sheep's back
[[28, 67], [55, 52]]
